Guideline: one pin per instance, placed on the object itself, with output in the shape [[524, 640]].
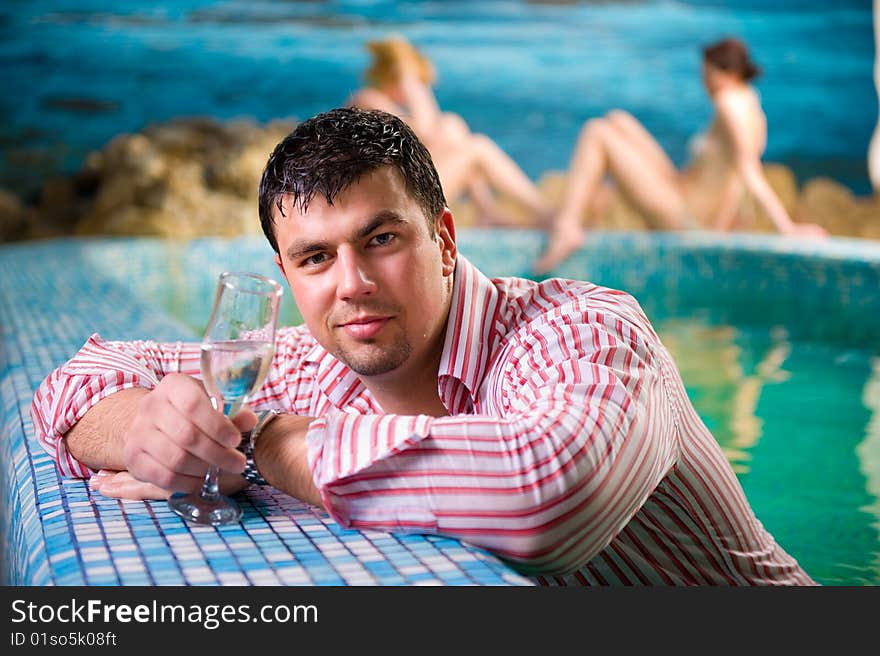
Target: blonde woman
[[400, 81], [725, 164]]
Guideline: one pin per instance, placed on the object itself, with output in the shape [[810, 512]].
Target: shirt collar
[[471, 330], [471, 334]]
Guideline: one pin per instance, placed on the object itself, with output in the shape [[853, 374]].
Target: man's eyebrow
[[299, 248], [382, 218], [385, 217]]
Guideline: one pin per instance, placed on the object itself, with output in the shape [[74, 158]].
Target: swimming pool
[[778, 345]]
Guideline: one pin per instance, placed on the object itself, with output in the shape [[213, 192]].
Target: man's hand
[[176, 434], [122, 485]]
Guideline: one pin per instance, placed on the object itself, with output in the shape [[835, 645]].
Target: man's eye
[[383, 239], [312, 260]]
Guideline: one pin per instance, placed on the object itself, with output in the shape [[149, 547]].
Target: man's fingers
[[177, 434], [245, 420], [122, 485], [197, 410], [147, 468], [190, 447]]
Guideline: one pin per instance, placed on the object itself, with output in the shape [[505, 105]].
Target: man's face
[[372, 284]]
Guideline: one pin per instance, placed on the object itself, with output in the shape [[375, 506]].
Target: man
[[542, 421]]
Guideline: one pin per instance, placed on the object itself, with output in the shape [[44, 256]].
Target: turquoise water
[[800, 423], [526, 73]]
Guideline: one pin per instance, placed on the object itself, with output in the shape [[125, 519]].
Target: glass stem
[[211, 484]]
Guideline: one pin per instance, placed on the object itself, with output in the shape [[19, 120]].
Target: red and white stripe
[[571, 448]]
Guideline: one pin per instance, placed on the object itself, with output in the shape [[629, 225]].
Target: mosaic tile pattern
[[827, 290], [53, 294]]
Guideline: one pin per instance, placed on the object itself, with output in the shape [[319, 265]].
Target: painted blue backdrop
[[77, 72]]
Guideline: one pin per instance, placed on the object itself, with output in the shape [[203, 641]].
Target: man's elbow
[[558, 533], [555, 550]]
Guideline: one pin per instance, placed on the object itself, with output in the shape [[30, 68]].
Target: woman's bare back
[[713, 153]]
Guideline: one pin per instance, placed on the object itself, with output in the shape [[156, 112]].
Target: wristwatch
[[248, 442]]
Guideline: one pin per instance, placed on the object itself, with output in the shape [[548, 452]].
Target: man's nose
[[355, 279]]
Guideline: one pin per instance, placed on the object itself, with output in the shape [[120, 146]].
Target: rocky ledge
[[198, 176]]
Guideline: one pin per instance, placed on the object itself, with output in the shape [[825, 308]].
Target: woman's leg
[[488, 211], [586, 169], [604, 148], [474, 163], [504, 174], [640, 138]]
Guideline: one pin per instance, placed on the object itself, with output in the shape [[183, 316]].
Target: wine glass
[[237, 350]]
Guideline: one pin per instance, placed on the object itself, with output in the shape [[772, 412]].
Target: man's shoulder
[[554, 295], [528, 304]]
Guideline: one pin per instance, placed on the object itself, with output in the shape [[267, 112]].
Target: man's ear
[[445, 227], [280, 265]]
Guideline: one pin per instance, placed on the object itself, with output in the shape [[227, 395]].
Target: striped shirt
[[571, 448]]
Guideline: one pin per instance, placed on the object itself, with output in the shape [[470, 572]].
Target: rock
[[784, 183], [869, 227], [181, 179], [199, 176], [58, 207], [829, 204], [13, 217], [239, 171]]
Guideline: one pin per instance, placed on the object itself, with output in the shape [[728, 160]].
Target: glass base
[[205, 510]]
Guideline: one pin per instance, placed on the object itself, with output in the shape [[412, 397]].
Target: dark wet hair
[[731, 55], [331, 151]]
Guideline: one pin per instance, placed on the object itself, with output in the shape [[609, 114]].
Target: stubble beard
[[376, 363]]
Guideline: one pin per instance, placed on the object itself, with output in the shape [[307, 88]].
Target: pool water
[[800, 423]]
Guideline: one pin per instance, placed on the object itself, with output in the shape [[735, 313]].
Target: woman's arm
[[374, 99], [747, 162], [422, 106], [728, 204]]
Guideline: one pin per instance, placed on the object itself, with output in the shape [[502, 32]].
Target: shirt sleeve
[[577, 434], [101, 368]]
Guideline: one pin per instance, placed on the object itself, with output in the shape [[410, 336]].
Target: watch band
[[251, 473]]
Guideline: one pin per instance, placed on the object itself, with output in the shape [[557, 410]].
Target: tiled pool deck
[[53, 294]]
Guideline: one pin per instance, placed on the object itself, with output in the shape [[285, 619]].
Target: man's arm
[[124, 406], [98, 438], [281, 456], [580, 435], [166, 436], [96, 372]]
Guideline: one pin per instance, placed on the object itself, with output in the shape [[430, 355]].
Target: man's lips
[[365, 327]]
